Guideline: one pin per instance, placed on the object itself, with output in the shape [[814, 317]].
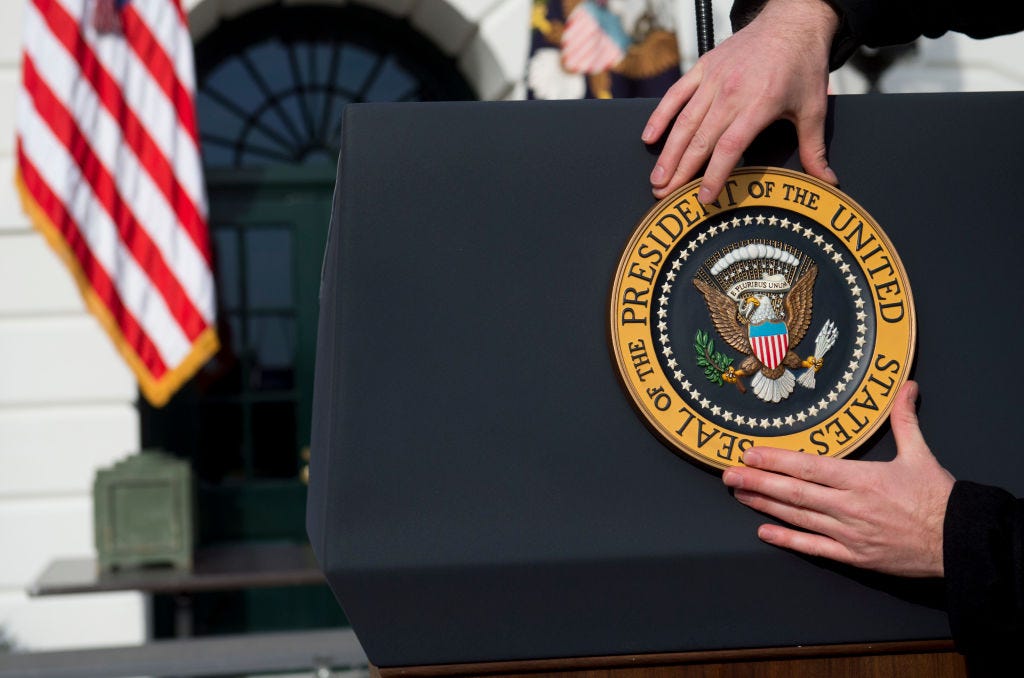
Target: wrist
[[811, 17], [815, 25]]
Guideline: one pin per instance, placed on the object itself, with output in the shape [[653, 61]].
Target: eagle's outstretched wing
[[799, 303], [655, 54], [723, 314]]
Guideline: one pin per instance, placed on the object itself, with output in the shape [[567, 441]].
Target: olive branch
[[715, 363]]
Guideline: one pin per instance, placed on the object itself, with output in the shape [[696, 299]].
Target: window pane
[[393, 83], [234, 83], [217, 154], [225, 252], [222, 375], [301, 120], [274, 440], [268, 145], [271, 61], [220, 454], [268, 267], [356, 65], [332, 118], [272, 349]]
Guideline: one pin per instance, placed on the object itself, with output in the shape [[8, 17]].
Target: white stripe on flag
[[147, 203], [113, 150], [134, 287], [579, 41], [148, 101], [586, 48], [165, 23]]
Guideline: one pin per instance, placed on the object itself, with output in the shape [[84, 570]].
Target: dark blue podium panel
[[481, 487]]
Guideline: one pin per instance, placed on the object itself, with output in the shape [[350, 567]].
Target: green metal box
[[143, 511]]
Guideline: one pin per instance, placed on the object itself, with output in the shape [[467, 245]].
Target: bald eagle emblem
[[760, 297]]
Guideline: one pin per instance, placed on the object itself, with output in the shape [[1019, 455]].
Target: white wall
[[958, 63], [952, 63], [66, 408]]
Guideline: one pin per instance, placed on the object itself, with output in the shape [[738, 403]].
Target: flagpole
[[705, 27]]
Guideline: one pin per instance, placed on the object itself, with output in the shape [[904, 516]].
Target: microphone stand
[[705, 27]]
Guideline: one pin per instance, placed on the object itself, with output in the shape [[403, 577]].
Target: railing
[[317, 653]]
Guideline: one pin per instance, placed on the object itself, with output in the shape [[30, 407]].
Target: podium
[[482, 492]]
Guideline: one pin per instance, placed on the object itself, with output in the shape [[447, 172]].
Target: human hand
[[775, 67], [883, 516]]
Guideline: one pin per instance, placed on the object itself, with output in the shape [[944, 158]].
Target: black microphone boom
[[705, 27]]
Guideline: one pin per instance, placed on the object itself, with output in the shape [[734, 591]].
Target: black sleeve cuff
[[983, 545]]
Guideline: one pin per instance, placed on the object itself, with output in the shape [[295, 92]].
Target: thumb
[[810, 132], [905, 428]]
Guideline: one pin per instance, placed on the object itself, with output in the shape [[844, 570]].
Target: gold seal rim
[[906, 339]]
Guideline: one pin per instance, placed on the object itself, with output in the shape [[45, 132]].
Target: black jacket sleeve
[[983, 556], [878, 23]]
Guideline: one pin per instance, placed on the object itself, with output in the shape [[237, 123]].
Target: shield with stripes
[[770, 341]]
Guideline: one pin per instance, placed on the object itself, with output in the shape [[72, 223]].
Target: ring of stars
[[689, 388]]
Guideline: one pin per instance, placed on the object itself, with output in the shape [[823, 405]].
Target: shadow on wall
[[873, 64], [957, 63], [924, 66]]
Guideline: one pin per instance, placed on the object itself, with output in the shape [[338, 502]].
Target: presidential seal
[[779, 315]]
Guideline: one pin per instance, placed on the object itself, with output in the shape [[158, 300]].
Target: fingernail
[[648, 134], [751, 457], [912, 391], [742, 496], [705, 195], [732, 478], [658, 174], [831, 176]]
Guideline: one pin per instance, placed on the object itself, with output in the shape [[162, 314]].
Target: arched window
[[272, 83]]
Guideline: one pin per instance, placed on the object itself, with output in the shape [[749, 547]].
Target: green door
[[269, 229], [245, 419]]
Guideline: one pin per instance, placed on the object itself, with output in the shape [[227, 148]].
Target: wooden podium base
[[918, 659]]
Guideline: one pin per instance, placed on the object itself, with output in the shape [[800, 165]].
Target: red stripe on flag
[[66, 30], [773, 348], [135, 238], [91, 271], [151, 53], [579, 40], [181, 13]]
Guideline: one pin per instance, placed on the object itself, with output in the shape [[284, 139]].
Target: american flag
[[593, 41], [108, 170]]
